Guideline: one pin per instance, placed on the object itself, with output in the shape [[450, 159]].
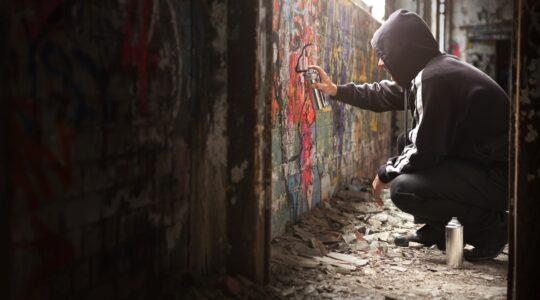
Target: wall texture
[[316, 152], [98, 162], [122, 166], [525, 152], [476, 24]]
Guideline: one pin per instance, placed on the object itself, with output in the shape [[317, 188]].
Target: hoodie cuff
[[341, 92], [383, 176]]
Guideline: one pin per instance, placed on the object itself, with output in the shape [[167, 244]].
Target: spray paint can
[[318, 97], [454, 243]]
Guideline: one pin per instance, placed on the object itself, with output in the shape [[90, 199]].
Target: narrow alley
[[236, 149]]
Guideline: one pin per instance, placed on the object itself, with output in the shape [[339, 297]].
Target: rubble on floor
[[344, 250]]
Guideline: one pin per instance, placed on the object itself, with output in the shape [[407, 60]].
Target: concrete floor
[[345, 250]]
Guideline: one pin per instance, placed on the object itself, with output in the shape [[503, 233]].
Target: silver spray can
[[320, 101], [454, 243]]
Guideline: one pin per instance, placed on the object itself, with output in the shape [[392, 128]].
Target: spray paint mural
[[315, 152]]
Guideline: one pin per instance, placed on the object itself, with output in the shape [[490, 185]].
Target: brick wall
[[316, 152]]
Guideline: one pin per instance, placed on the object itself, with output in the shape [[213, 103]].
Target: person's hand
[[326, 85], [378, 186]]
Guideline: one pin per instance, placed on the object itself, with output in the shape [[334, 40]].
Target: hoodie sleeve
[[378, 97], [433, 135]]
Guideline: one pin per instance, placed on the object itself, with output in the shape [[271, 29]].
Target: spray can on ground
[[454, 243]]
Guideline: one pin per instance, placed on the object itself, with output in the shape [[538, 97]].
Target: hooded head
[[405, 44]]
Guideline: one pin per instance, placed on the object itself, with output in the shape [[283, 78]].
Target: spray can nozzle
[[312, 77]]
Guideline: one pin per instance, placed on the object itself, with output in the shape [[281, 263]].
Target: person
[[453, 158]]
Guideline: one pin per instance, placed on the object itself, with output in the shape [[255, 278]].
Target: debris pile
[[344, 249]]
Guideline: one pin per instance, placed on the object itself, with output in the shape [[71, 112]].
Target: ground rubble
[[343, 249]]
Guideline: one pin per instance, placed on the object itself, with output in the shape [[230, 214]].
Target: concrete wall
[[316, 152], [468, 14], [123, 161]]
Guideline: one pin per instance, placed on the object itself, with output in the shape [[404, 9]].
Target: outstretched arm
[[378, 97]]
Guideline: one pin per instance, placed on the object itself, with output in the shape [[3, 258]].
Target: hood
[[405, 44]]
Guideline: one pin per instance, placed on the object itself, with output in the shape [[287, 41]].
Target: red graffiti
[[33, 163], [454, 48], [134, 51], [300, 109], [32, 158]]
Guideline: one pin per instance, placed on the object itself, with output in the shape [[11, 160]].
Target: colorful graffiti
[[317, 151]]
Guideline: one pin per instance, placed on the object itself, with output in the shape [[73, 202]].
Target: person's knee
[[403, 191], [401, 184]]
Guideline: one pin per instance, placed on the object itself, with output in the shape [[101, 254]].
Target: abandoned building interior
[[169, 149]]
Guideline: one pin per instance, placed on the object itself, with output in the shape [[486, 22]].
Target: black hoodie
[[458, 111]]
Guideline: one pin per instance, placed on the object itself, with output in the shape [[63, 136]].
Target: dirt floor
[[344, 250]]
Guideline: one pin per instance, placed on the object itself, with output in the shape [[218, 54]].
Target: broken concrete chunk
[[304, 250], [305, 235], [310, 288], [359, 246], [384, 236], [288, 291], [375, 223], [348, 258], [340, 266], [383, 217], [317, 244], [328, 237], [349, 238], [397, 268], [293, 260]]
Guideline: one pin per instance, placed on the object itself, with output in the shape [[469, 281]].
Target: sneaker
[[482, 253], [489, 243], [426, 236]]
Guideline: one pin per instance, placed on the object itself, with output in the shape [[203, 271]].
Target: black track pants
[[474, 193]]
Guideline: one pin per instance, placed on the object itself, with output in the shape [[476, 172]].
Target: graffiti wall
[[316, 152], [108, 147]]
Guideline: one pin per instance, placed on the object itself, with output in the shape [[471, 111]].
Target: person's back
[[479, 106]]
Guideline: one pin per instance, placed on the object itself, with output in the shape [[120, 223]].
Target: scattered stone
[[400, 269], [315, 243], [308, 289], [349, 238], [288, 291], [348, 258], [340, 266], [345, 246], [383, 217], [360, 245]]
